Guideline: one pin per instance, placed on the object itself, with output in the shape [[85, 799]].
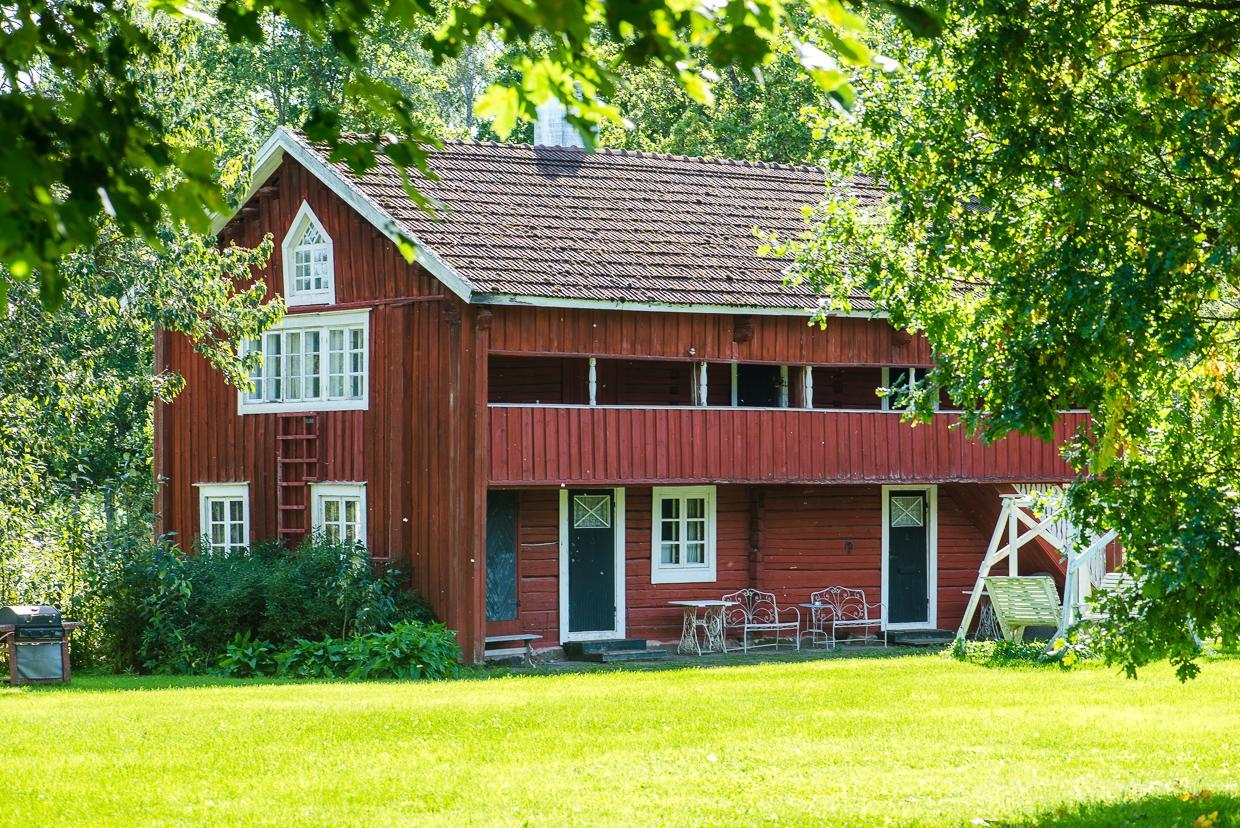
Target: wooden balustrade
[[583, 445]]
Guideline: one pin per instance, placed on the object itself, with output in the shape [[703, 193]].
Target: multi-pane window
[[340, 511], [224, 515], [311, 361], [312, 265], [308, 265], [683, 537]]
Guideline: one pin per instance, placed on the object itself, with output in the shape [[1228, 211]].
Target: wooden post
[[593, 381], [1013, 530]]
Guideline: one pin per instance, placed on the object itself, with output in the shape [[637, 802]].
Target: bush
[[410, 650], [247, 658], [1001, 653], [167, 611]]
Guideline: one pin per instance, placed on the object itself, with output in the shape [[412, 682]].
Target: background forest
[[78, 386]]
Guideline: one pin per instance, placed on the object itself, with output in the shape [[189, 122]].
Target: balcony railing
[[604, 445]]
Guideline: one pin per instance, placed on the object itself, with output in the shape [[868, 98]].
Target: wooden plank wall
[[805, 538], [416, 447], [773, 339], [531, 445]]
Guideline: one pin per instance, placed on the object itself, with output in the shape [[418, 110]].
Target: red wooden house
[[586, 397]]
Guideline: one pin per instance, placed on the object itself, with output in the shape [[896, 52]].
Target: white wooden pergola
[[1019, 521]]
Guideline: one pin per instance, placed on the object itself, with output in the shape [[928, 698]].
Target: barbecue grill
[[38, 643]]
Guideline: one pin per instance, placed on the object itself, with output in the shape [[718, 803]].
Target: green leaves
[[917, 19], [1061, 230]]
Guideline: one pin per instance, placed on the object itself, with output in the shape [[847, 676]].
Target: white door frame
[[932, 554], [618, 530]]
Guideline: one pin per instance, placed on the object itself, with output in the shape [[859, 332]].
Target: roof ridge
[[620, 152], [624, 152]]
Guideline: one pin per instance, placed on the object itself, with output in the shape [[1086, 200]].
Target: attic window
[[308, 266]]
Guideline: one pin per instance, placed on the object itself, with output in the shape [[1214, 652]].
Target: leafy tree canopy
[[78, 139], [1063, 227]]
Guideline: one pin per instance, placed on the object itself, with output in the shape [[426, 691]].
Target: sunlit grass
[[914, 739]]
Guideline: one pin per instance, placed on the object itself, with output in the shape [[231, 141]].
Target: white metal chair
[[754, 611], [843, 608]]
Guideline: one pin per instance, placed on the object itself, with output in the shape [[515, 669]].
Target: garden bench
[[754, 611], [1112, 582], [840, 607], [524, 648]]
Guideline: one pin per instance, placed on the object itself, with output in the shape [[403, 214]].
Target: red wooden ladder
[[297, 466]]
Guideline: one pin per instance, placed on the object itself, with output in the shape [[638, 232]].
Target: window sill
[[244, 408], [704, 575]]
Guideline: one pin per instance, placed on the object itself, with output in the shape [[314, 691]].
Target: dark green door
[[908, 517], [591, 560]]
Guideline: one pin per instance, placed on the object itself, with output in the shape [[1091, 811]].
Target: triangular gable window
[[308, 266]]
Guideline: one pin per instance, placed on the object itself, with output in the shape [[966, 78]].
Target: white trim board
[[932, 553], [282, 142], [618, 530]]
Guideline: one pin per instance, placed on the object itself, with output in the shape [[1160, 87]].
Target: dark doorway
[[501, 556], [757, 386], [591, 561], [908, 556]]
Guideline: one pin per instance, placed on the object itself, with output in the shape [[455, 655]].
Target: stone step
[[576, 649], [615, 656], [922, 638]]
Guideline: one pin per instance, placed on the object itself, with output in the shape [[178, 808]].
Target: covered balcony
[[575, 421]]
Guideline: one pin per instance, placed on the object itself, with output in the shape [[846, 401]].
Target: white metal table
[[817, 634], [709, 622]]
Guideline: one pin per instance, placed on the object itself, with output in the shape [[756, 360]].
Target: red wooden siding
[[790, 540], [775, 339], [531, 445], [417, 445], [847, 387], [644, 382], [548, 380]]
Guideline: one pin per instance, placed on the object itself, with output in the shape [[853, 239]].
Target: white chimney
[[552, 128]]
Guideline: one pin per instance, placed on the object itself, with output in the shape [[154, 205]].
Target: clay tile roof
[[562, 223]]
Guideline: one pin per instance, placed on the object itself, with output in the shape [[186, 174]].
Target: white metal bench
[[524, 649], [754, 611], [1023, 601], [838, 608]]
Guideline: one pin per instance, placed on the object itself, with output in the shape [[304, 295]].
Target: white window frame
[[913, 374], [208, 492], [682, 573], [321, 322], [304, 219], [319, 492]]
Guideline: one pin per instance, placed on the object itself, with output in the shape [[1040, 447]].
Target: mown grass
[[907, 740]]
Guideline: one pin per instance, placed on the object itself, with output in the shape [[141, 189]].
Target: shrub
[[247, 658], [1001, 653], [410, 650], [167, 611]]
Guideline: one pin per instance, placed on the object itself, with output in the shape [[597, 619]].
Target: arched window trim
[[326, 295]]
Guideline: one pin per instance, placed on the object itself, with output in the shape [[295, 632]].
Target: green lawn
[[907, 740]]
